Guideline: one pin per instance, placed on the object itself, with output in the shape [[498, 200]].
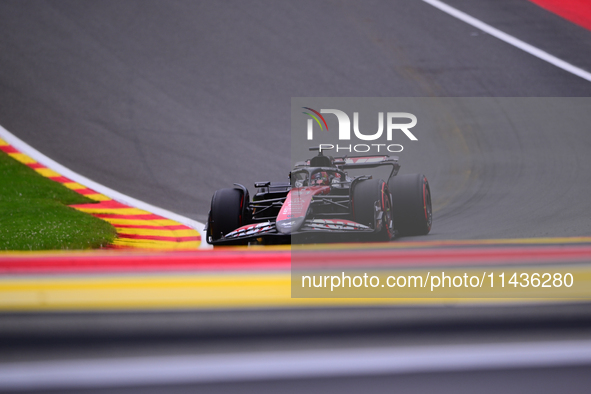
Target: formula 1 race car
[[322, 199]]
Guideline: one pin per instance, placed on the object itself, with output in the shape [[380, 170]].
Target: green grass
[[34, 215]]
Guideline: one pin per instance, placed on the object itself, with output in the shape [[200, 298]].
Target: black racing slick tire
[[365, 195], [226, 212], [411, 204]]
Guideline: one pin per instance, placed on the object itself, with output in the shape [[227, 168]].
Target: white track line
[[115, 195], [545, 56], [117, 372]]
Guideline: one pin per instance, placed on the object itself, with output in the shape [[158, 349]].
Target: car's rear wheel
[[411, 204], [226, 213], [365, 195]]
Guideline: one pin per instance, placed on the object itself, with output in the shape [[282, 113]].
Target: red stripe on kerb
[[104, 204], [173, 261], [60, 179], [128, 217], [576, 11], [232, 259], [147, 227], [8, 149], [157, 237], [35, 165], [85, 192]]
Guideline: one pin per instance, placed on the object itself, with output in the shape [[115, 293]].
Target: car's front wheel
[[226, 212]]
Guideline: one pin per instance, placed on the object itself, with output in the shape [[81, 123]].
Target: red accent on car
[[298, 200]]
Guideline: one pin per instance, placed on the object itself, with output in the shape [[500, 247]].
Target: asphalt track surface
[[169, 101]]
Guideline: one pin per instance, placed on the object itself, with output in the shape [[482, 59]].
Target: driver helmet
[[319, 179]]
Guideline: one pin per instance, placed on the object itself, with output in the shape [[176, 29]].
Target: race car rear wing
[[368, 162], [348, 162]]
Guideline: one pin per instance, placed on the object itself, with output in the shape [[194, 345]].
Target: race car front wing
[[269, 229]]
